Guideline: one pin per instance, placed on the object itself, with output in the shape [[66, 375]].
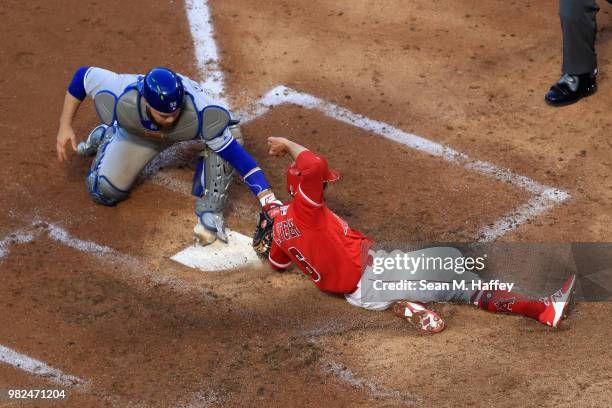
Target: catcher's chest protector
[[130, 109]]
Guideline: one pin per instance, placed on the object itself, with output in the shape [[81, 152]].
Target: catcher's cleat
[[203, 236], [424, 320], [209, 228], [90, 146], [558, 303]]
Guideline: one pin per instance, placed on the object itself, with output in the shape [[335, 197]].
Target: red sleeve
[[313, 169], [278, 259]]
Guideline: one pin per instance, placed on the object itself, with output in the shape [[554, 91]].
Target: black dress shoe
[[571, 88]]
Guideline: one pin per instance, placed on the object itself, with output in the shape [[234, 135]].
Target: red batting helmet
[[294, 176]]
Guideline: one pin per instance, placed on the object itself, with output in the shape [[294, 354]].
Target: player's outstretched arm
[[279, 146], [66, 133], [74, 96]]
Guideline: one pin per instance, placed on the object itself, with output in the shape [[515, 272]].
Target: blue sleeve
[[77, 85], [246, 166], [197, 185]]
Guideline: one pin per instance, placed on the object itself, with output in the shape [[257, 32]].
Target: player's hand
[[64, 135], [277, 146]]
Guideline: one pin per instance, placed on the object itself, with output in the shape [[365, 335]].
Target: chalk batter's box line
[[205, 47], [544, 197], [40, 369]]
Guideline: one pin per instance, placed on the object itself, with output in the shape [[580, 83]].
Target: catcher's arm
[[66, 134]]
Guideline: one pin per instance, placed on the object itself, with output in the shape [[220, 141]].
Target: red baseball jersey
[[310, 235]]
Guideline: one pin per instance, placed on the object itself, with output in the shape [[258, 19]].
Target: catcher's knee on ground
[[100, 188], [102, 191], [119, 160]]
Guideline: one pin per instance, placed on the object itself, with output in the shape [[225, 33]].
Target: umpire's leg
[[579, 26]]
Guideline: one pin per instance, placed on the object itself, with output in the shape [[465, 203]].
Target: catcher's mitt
[[262, 239]]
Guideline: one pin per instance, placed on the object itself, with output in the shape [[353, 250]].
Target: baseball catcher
[[306, 233], [141, 115]]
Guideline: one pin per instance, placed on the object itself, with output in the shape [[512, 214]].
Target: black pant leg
[[579, 26]]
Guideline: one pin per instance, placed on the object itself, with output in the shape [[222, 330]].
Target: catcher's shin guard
[[211, 185], [212, 182], [100, 188]]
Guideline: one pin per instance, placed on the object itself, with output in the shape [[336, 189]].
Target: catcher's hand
[[262, 239]]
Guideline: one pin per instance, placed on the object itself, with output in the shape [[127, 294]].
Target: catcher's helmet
[[294, 177], [162, 89]]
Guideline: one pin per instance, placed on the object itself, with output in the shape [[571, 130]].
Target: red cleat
[[558, 303], [424, 320]]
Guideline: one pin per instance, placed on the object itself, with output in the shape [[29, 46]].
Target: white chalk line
[[522, 214], [40, 369], [136, 271], [346, 375], [205, 46], [18, 237], [545, 197], [203, 399], [376, 390], [21, 361], [133, 269]]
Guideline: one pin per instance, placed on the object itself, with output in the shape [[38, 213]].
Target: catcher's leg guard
[[215, 178], [119, 160], [102, 191], [100, 188], [211, 184]]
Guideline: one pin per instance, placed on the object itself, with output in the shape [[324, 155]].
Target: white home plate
[[220, 256]]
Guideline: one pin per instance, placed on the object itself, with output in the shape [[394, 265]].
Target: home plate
[[220, 256]]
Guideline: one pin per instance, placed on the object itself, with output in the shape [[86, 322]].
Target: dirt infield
[[92, 292]]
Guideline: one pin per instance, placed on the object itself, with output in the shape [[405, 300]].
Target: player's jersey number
[[314, 275]]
